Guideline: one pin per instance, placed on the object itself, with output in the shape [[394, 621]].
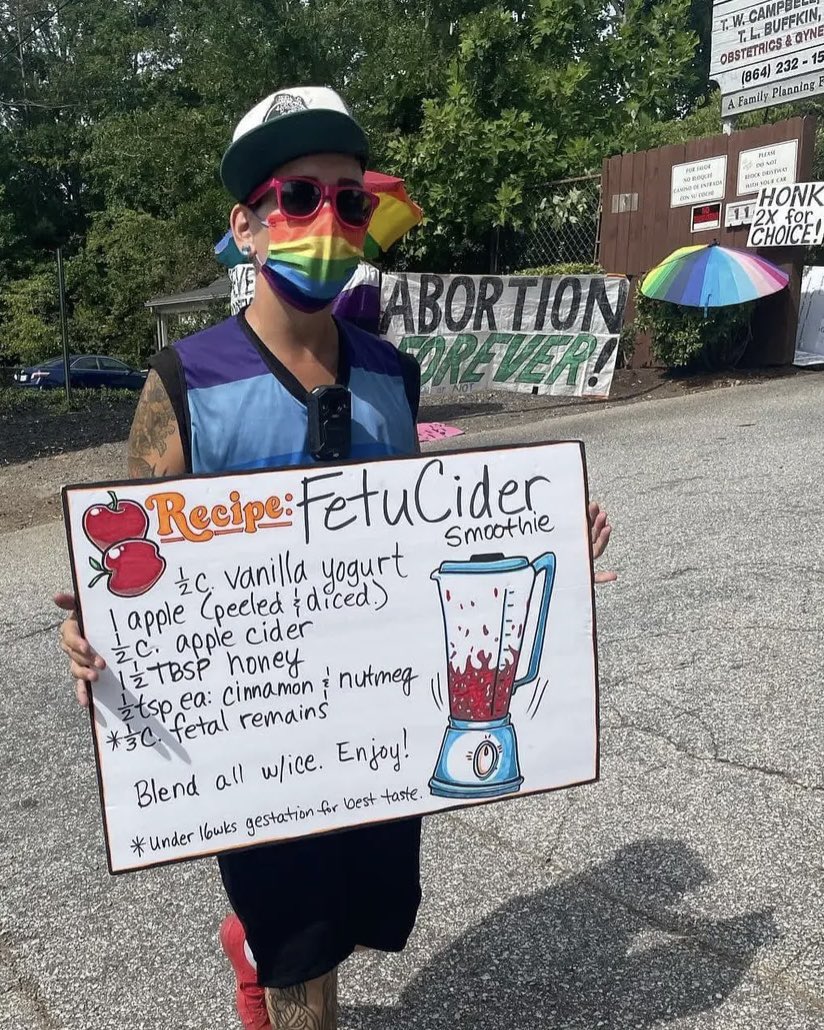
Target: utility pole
[[64, 325]]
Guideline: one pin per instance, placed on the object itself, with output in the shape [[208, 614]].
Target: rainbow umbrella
[[709, 276], [394, 216]]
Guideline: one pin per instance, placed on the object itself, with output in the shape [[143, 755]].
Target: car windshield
[[51, 363]]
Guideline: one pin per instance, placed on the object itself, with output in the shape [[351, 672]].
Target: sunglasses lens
[[354, 206], [299, 197]]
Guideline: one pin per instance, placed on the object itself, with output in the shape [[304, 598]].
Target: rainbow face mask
[[309, 263]]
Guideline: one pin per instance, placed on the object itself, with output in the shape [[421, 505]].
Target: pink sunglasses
[[301, 198]]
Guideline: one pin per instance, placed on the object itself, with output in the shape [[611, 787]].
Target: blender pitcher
[[485, 603]]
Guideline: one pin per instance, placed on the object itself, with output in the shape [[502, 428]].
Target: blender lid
[[484, 563]]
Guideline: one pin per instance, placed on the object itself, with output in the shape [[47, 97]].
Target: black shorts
[[307, 904]]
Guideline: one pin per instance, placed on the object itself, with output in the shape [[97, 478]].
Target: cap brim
[[250, 160]]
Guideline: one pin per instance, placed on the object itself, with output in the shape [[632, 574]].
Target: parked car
[[86, 371]]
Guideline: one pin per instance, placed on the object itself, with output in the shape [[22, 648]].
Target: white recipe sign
[[297, 651]]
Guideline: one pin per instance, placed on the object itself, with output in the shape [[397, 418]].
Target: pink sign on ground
[[429, 431]]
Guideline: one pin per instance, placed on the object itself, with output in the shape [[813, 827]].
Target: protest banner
[[789, 216], [297, 651], [546, 335]]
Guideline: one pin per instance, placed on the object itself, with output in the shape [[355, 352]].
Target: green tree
[[114, 117]]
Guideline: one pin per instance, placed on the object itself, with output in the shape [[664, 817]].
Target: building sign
[[298, 651], [740, 213], [705, 216], [534, 334], [773, 165], [766, 53], [789, 216], [696, 182]]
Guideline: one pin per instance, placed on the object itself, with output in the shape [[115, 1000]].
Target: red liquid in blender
[[482, 689]]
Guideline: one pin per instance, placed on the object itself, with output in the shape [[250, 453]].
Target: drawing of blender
[[485, 604]]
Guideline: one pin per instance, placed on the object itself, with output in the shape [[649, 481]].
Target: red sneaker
[[249, 997]]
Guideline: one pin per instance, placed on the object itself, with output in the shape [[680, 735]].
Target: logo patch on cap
[[285, 103]]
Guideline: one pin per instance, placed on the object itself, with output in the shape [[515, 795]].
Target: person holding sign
[[285, 383]]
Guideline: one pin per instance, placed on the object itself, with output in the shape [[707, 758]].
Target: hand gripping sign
[[298, 651]]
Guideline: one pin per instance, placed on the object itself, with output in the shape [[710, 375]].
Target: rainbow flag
[[394, 216], [360, 301]]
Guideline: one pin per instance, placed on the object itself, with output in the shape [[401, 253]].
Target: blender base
[[442, 789], [477, 760]]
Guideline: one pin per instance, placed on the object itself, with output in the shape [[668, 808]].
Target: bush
[[15, 400], [570, 268], [626, 344], [692, 339]]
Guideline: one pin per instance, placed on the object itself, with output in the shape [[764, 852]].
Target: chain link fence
[[562, 227]]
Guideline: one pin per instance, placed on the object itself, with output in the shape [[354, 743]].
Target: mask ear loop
[[246, 249]]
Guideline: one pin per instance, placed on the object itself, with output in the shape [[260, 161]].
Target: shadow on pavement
[[571, 957]]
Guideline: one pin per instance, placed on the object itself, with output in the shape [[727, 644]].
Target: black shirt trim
[[282, 373], [411, 373], [168, 366]]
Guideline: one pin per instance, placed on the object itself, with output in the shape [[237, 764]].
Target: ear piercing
[[246, 250]]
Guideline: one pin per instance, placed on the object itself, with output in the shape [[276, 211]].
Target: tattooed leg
[[308, 1006]]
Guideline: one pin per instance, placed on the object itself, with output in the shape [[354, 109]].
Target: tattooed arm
[[155, 448]]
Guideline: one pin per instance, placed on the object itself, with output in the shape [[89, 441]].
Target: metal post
[[64, 325], [495, 251]]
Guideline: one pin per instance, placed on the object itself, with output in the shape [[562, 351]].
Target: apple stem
[[96, 578], [113, 496]]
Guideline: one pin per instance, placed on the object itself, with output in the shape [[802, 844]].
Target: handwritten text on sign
[[298, 651], [789, 216]]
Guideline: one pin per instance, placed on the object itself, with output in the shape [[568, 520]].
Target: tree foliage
[[114, 116]]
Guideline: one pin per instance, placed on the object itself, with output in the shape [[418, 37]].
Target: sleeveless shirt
[[238, 407]]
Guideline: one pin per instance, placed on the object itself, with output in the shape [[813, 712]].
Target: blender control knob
[[485, 759]]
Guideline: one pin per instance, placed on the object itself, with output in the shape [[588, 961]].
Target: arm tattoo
[[291, 1008], [154, 422]]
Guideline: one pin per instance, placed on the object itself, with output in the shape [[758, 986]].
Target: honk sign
[[354, 644]]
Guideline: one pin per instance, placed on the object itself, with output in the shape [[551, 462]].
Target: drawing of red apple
[[132, 567], [107, 524]]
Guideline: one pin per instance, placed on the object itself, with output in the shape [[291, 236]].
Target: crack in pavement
[[31, 633], [624, 723], [562, 824], [690, 713]]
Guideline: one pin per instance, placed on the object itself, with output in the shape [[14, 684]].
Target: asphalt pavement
[[684, 890]]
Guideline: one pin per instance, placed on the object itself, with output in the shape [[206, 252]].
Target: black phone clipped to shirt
[[330, 422]]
